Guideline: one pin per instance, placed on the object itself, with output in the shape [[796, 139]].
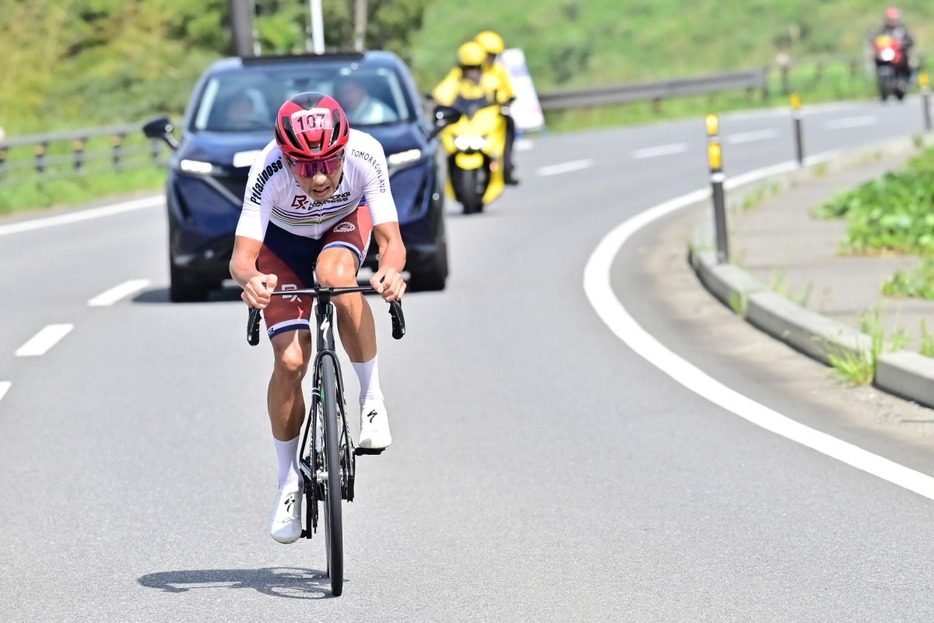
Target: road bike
[[328, 465]]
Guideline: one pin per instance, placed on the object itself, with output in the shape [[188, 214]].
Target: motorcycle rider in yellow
[[493, 67], [474, 93], [468, 78]]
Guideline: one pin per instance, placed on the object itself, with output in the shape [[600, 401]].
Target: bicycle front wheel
[[333, 527]]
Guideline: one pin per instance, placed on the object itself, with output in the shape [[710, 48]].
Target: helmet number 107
[[314, 119]]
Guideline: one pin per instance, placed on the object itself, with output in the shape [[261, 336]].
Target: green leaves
[[893, 214]]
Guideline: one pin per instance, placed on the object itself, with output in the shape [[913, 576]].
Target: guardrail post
[[78, 148], [2, 160], [796, 117], [117, 149], [40, 150], [925, 99], [784, 67], [154, 150], [715, 160]]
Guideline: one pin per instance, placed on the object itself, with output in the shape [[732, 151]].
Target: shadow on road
[[293, 583]]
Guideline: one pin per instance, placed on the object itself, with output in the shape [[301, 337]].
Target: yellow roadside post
[[796, 117], [715, 161], [925, 99]]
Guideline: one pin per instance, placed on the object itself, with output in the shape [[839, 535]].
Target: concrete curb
[[905, 374]]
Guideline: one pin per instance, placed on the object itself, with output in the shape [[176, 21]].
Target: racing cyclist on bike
[[314, 195]]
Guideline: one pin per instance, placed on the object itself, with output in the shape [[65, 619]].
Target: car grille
[[236, 184]]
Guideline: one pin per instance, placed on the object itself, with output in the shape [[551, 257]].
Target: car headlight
[[402, 159], [196, 166]]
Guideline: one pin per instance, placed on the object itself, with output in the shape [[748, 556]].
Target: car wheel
[[431, 275], [184, 289]]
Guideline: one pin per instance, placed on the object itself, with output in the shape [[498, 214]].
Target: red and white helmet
[[311, 126], [892, 14]]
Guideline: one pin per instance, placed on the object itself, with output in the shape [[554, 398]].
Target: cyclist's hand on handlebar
[[256, 292], [388, 283]]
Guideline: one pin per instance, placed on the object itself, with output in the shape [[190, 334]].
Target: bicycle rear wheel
[[333, 526]]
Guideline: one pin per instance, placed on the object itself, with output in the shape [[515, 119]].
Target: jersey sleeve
[[257, 198], [376, 190]]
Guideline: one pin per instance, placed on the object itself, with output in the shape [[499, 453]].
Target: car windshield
[[247, 99]]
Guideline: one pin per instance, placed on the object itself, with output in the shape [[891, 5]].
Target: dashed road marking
[[661, 150], [851, 122], [45, 339], [119, 292], [4, 388], [751, 137], [567, 167]]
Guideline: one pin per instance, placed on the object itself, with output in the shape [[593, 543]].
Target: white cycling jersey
[[273, 195]]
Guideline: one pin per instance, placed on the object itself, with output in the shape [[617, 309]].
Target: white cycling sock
[[287, 453], [368, 374]]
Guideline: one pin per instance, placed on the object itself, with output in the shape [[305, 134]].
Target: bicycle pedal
[[361, 451]]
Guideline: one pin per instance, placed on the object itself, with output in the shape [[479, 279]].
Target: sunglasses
[[308, 168]]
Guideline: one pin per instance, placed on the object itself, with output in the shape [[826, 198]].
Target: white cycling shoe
[[286, 524], [374, 426]]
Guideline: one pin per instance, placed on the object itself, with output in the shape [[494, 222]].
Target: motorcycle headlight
[[887, 55], [470, 143]]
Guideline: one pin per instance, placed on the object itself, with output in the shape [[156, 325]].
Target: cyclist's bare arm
[[387, 280], [256, 285]]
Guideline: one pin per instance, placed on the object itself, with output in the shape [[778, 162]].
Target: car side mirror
[[161, 128], [442, 117]]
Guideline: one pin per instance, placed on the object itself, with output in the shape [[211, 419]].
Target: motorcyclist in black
[[893, 27]]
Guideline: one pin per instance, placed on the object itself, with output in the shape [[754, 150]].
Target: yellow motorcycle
[[474, 136]]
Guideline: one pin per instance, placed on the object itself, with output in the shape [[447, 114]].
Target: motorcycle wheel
[[465, 188], [886, 86]]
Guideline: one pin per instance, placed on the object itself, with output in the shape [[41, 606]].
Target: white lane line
[[45, 339], [661, 150], [567, 167], [116, 293], [599, 292], [4, 387], [851, 122], [751, 137], [84, 215]]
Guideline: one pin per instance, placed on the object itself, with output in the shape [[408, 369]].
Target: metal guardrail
[[124, 147], [656, 90], [77, 152]]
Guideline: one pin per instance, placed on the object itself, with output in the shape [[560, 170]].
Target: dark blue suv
[[230, 118]]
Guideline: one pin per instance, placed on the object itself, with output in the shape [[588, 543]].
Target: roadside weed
[[859, 368]]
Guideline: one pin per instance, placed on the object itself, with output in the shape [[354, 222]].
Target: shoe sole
[[358, 451]]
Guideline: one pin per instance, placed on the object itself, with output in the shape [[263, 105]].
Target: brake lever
[[398, 319], [252, 326]]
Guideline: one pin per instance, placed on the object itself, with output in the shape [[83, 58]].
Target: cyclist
[[314, 195], [495, 72]]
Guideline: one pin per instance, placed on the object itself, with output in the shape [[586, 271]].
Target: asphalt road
[[541, 469]]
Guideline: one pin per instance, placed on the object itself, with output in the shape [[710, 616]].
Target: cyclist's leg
[[287, 318], [344, 249], [287, 322]]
